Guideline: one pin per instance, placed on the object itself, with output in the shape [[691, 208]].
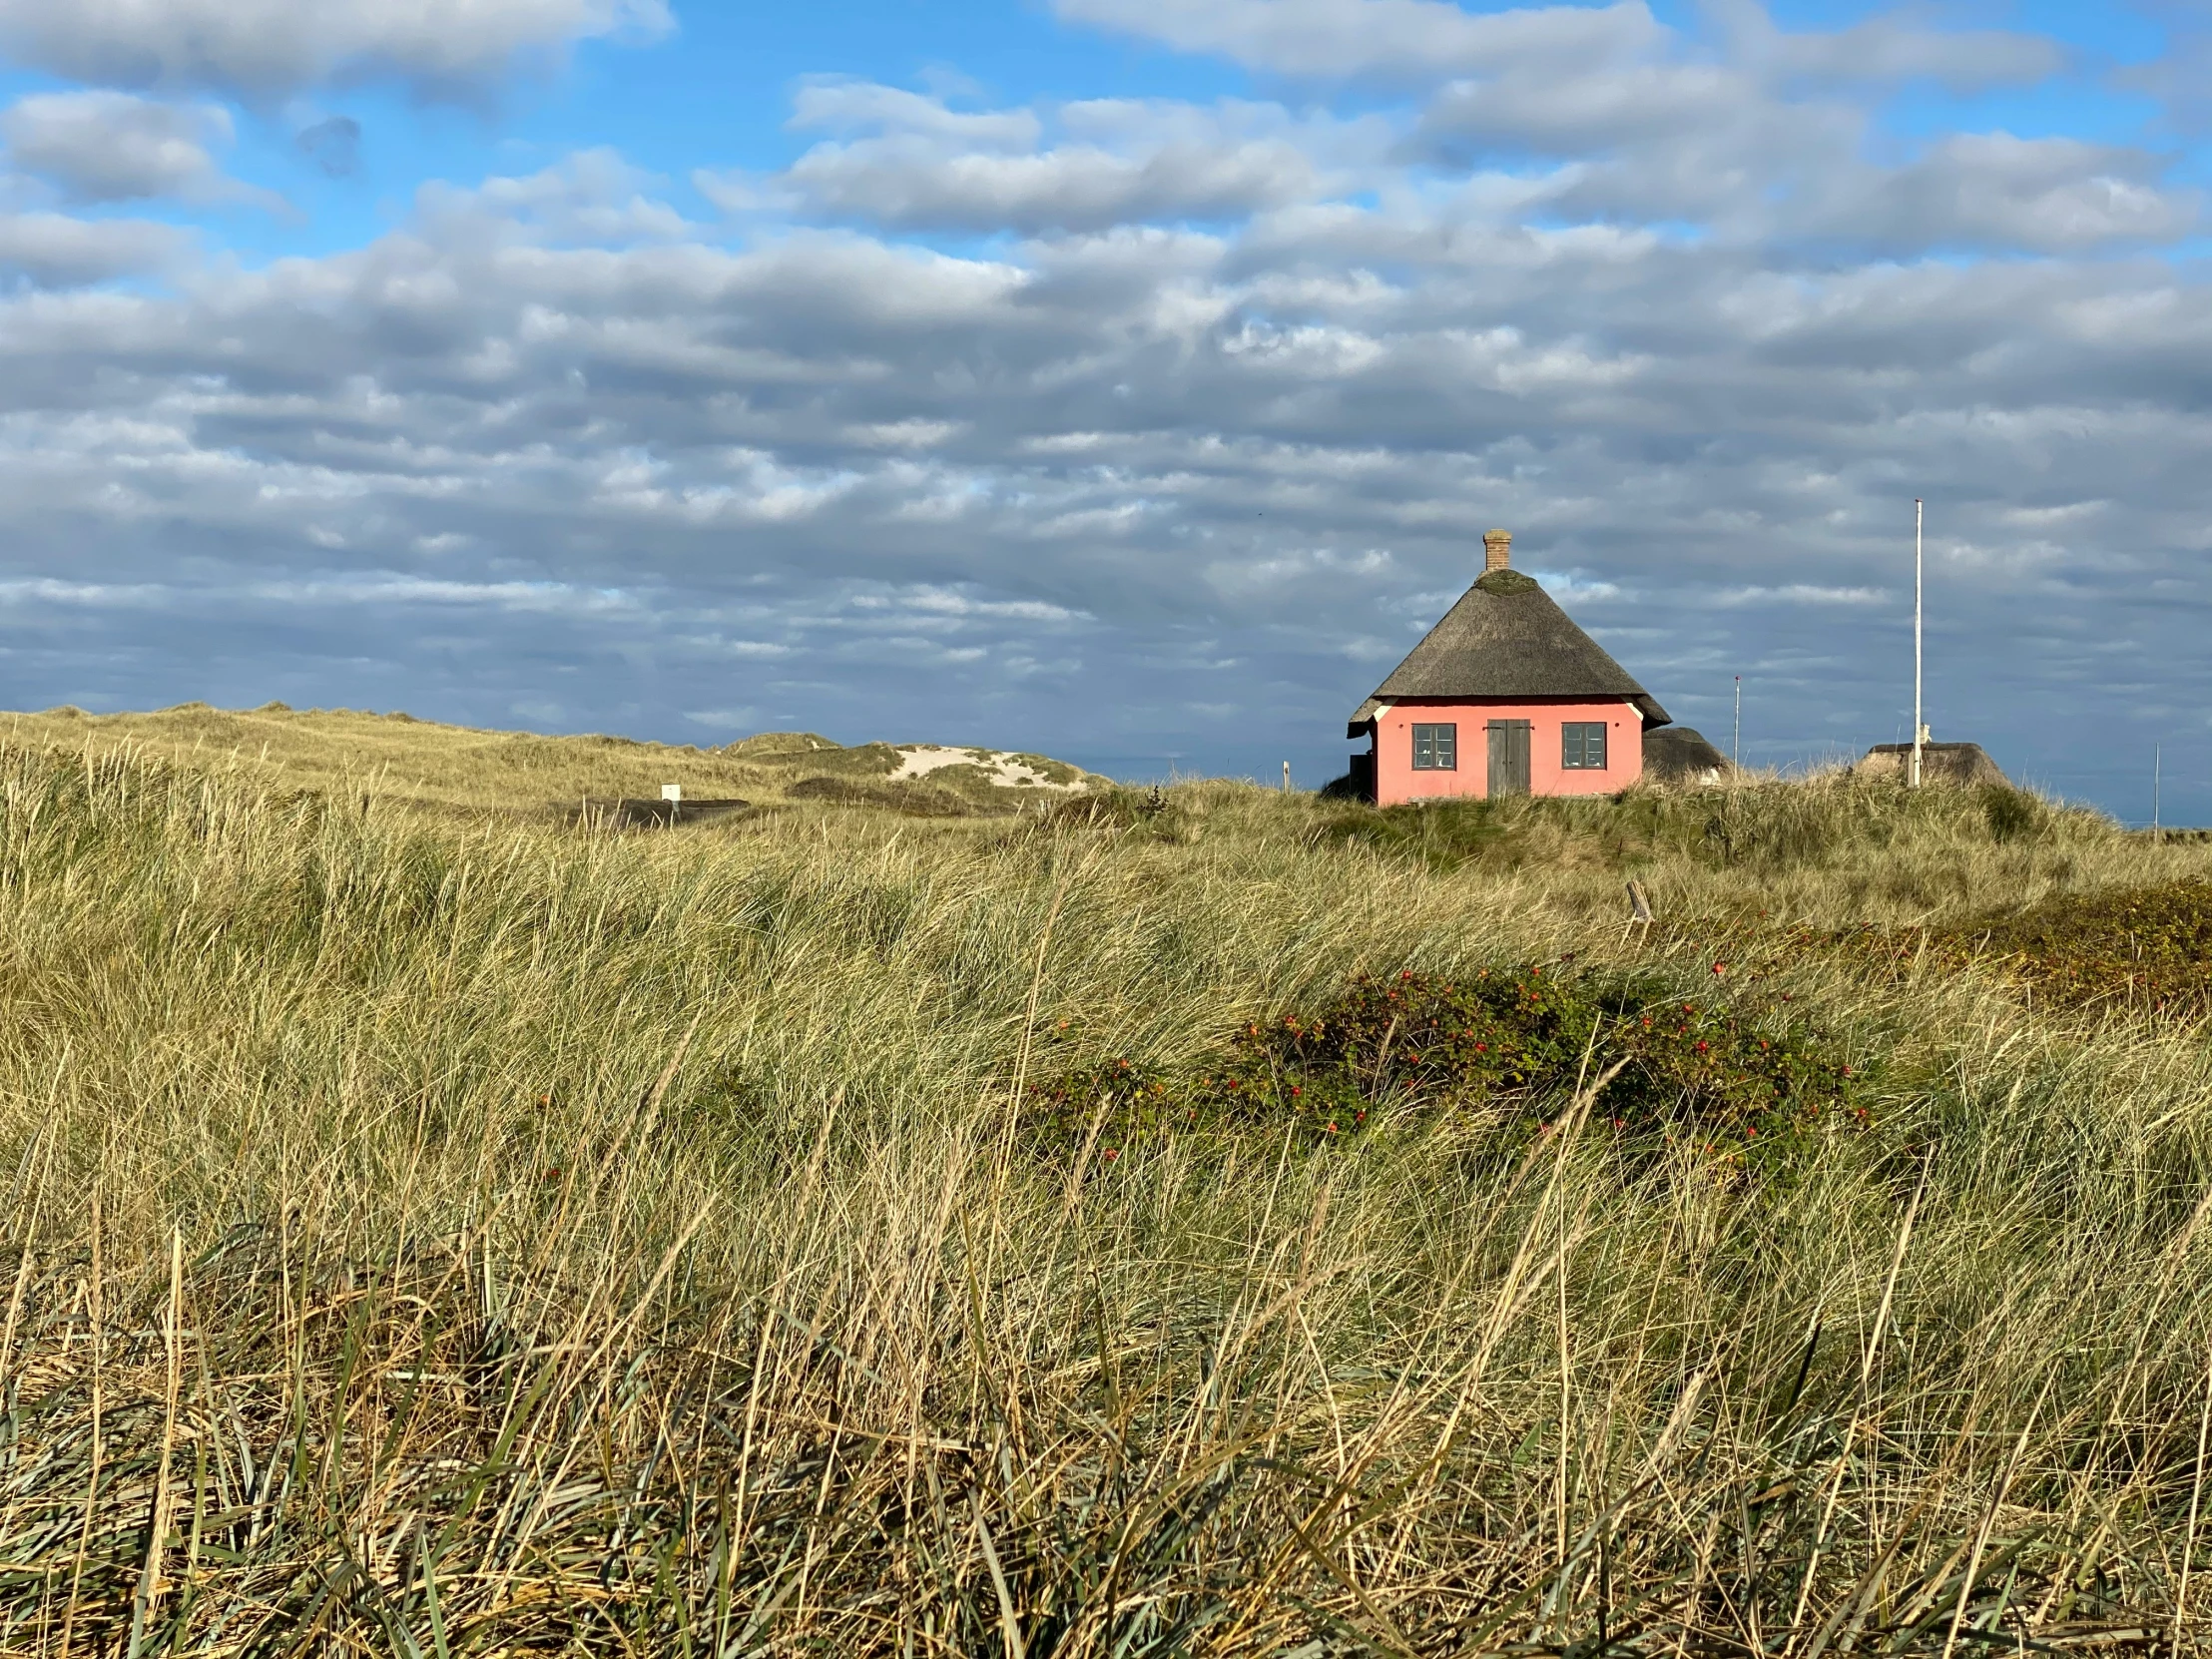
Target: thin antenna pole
[[1920, 728], [2157, 757], [1735, 746]]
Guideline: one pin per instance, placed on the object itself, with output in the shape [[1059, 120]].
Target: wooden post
[[1639, 903], [1285, 777]]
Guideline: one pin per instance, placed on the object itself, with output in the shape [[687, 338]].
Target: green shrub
[[1530, 1034], [1118, 808], [1446, 834], [2148, 947], [2144, 949], [2012, 814], [912, 799]]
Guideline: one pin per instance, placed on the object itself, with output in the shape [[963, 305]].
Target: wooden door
[[1508, 756]]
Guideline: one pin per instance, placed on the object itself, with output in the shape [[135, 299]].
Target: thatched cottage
[[1504, 696]]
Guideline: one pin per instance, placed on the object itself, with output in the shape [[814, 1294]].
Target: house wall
[[1396, 779]]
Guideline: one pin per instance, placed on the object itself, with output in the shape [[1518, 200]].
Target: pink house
[[1504, 696]]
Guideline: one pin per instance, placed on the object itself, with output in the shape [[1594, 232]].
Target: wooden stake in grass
[[1639, 902]]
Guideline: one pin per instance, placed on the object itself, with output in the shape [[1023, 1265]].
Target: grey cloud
[[332, 144], [1591, 110], [268, 48], [1997, 191], [2180, 76], [1762, 163], [1887, 49], [46, 250], [116, 147]]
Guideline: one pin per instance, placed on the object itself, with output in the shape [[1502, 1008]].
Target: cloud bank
[[1134, 428]]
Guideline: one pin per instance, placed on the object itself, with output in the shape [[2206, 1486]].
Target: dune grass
[[436, 1235], [462, 772]]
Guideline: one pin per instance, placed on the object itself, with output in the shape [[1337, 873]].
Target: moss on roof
[[1505, 581]]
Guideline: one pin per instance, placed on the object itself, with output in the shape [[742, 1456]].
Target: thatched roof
[[1507, 639], [1940, 762], [1678, 753]]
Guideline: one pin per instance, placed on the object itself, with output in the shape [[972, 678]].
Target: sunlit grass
[[437, 1237]]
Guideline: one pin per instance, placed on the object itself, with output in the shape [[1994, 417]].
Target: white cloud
[[116, 147], [590, 195], [389, 588], [268, 48], [1416, 39], [1570, 589], [1804, 592], [1076, 187], [911, 162], [1432, 40], [846, 106]]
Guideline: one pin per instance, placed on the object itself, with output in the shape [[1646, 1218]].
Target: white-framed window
[[1436, 747]]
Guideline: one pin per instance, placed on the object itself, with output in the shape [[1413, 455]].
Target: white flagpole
[[1918, 728]]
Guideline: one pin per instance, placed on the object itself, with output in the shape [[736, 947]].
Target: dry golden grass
[[436, 1235], [463, 772]]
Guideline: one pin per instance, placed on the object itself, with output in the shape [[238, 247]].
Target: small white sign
[[672, 792]]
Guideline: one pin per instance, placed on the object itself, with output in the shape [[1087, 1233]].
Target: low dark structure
[[1680, 755], [646, 813], [1955, 764], [1357, 782]]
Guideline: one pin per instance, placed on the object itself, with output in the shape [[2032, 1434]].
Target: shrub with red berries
[[1744, 1073]]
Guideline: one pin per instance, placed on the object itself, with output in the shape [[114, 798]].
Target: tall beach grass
[[436, 1239]]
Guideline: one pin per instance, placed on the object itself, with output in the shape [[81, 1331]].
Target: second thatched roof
[[1506, 638], [1681, 754], [1940, 762]]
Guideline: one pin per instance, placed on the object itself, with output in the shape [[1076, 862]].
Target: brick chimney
[[1498, 549]]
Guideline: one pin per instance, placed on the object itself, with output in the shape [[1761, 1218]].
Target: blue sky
[[1131, 381]]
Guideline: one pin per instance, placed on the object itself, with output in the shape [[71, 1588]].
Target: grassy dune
[[439, 1233], [462, 773]]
